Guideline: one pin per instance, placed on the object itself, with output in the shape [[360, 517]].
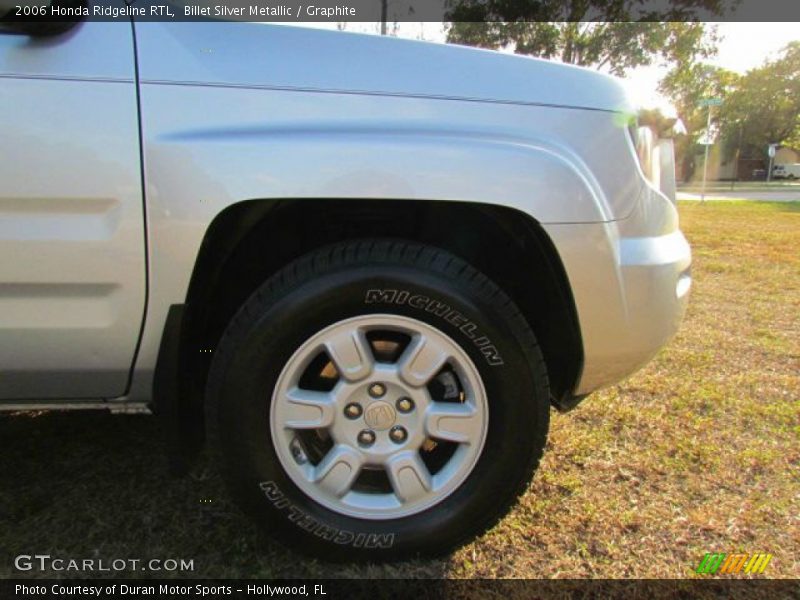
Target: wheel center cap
[[380, 415]]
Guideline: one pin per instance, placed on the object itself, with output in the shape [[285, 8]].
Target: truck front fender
[[207, 148]]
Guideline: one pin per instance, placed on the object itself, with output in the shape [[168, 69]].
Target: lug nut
[[405, 405], [398, 434], [366, 437], [353, 410], [376, 390]]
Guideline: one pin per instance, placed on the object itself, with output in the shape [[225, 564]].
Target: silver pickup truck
[[359, 271]]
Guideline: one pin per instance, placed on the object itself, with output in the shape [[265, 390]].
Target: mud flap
[[181, 420]]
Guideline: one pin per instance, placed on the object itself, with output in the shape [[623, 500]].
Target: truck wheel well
[[251, 240]]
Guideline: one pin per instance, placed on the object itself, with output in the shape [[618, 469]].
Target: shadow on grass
[[787, 206], [95, 485], [790, 206]]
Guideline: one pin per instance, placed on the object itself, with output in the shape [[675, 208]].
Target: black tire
[[325, 287]]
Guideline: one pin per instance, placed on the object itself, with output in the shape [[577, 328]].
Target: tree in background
[[616, 47], [759, 108], [764, 105], [571, 31], [686, 85]]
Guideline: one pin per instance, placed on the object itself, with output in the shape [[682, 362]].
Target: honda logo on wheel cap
[[380, 415]]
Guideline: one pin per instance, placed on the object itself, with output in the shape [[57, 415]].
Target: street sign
[[707, 139], [771, 151]]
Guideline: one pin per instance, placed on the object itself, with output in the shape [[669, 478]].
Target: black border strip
[[299, 11], [334, 589]]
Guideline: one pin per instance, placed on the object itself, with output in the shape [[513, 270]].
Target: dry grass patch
[[698, 452]]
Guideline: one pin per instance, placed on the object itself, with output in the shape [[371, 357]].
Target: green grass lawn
[[698, 452]]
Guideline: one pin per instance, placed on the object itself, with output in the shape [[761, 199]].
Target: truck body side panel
[[72, 274]]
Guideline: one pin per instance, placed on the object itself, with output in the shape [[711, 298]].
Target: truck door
[[72, 238]]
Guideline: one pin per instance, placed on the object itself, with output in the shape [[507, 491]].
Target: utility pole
[[738, 155], [384, 15]]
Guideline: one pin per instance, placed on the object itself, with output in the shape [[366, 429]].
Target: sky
[[743, 46]]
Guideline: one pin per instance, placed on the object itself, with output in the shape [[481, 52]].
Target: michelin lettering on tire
[[440, 309], [332, 534]]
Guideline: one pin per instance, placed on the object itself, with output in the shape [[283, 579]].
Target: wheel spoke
[[452, 422], [350, 352], [421, 361], [409, 476], [305, 409], [338, 470]]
